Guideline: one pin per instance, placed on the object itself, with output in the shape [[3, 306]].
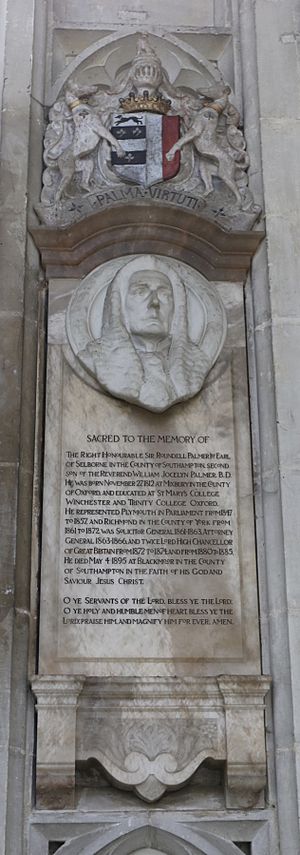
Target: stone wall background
[[263, 59]]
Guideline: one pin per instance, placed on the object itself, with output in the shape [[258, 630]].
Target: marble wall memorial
[[148, 566], [150, 701]]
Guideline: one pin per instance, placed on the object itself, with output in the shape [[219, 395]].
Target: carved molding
[[76, 250], [150, 735], [157, 836]]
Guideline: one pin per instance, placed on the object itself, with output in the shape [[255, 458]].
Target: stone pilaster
[[57, 699], [245, 739]]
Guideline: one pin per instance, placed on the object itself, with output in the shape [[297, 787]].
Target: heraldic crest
[[143, 131]]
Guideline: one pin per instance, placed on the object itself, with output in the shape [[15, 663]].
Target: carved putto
[[141, 132], [146, 335]]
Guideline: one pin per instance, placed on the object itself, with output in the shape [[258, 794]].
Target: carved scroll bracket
[[150, 735]]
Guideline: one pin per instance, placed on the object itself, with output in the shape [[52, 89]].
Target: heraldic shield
[[146, 138]]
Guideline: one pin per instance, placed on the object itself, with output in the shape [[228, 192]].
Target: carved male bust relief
[[156, 336]]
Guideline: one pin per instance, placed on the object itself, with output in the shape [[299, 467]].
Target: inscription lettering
[[135, 519]]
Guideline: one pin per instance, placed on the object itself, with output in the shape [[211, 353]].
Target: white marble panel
[[148, 546]]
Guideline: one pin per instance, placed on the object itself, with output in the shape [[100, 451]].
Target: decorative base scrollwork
[[151, 735]]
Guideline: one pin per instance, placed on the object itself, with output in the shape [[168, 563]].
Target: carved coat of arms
[[144, 130], [146, 138]]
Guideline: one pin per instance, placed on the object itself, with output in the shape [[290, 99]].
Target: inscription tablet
[[148, 564]]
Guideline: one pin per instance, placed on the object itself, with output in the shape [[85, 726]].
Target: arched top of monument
[[159, 838], [109, 57]]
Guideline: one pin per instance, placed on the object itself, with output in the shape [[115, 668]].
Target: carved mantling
[[155, 161], [150, 736]]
